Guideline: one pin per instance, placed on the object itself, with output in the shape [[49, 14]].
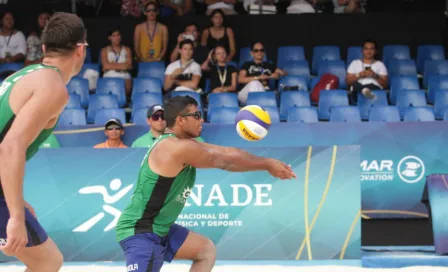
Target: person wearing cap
[[113, 130], [157, 124]]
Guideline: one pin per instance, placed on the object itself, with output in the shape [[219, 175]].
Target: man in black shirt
[[200, 52], [255, 74]]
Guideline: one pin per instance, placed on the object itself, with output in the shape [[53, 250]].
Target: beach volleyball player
[[30, 103], [146, 229]]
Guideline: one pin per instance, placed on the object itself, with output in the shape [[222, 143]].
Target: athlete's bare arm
[[46, 101], [179, 153]]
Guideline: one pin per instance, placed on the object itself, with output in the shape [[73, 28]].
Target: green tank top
[[7, 116], [157, 201]]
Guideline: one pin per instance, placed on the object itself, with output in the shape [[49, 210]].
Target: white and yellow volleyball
[[252, 123]]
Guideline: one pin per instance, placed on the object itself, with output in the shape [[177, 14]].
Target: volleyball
[[252, 123]]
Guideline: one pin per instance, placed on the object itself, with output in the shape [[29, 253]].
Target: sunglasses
[[156, 117], [196, 115], [82, 44], [113, 128], [258, 50], [152, 10]]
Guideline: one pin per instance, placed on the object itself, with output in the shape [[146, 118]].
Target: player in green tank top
[[146, 230], [31, 101]]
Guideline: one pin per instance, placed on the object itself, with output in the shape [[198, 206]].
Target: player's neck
[[179, 134], [64, 67]]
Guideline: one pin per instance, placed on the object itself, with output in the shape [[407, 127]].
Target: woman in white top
[[12, 41], [116, 60]]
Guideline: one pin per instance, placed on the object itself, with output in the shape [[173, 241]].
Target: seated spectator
[[34, 52], [254, 75], [267, 6], [113, 130], [151, 37], [219, 34], [177, 7], [226, 6], [348, 6], [50, 142], [183, 74], [222, 76], [191, 32], [133, 8], [366, 74], [12, 41], [302, 6], [116, 60]]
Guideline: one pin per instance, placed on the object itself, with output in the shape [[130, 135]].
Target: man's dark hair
[[252, 45], [112, 30], [192, 24], [184, 42], [369, 41], [62, 33], [177, 106], [153, 3]]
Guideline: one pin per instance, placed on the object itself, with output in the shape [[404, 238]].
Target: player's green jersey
[[157, 201], [7, 116]]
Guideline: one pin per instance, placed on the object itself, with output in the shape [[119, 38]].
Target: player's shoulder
[[44, 81], [175, 145]]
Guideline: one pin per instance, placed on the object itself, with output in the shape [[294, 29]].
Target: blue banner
[[79, 194], [395, 157]]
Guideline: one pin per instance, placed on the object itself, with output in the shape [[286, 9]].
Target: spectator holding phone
[[366, 74]]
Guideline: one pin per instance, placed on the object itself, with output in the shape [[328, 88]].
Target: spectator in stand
[[34, 52], [348, 6], [114, 130], [151, 37], [12, 41], [50, 142], [226, 6], [267, 7], [366, 74], [222, 76], [183, 74], [116, 59], [219, 34], [254, 75], [302, 6], [191, 32], [177, 7]]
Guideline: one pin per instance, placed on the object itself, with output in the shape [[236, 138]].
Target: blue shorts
[[146, 252], [36, 234]]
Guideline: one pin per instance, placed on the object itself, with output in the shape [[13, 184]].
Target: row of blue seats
[[307, 114]]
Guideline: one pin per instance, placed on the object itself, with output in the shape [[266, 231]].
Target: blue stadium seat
[[384, 114], [146, 85], [72, 117], [79, 86], [391, 52], [140, 117], [428, 52], [419, 114], [410, 98], [102, 115], [114, 86], [329, 99], [302, 115], [216, 100], [288, 54], [100, 101], [246, 56], [154, 69], [434, 68], [402, 68], [300, 81], [86, 66], [207, 85], [348, 114], [13, 66], [440, 103], [364, 104], [445, 115], [263, 99], [436, 83], [324, 53], [273, 113], [334, 67], [74, 102], [224, 115], [353, 53], [192, 94], [398, 83], [297, 68], [145, 100], [291, 99]]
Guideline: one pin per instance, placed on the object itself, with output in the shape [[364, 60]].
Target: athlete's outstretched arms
[[204, 155], [48, 99]]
